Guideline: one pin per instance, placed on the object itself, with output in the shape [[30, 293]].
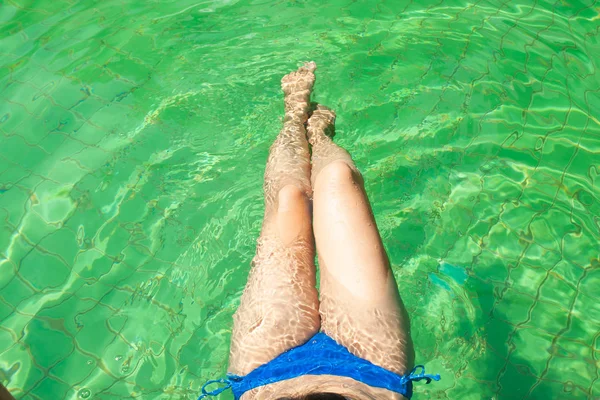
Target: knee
[[340, 172], [290, 196]]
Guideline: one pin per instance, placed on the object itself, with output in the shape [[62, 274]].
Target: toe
[[310, 66]]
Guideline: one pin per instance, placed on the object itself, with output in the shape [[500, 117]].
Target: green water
[[133, 141]]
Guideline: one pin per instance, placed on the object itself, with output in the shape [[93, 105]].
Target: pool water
[[133, 141]]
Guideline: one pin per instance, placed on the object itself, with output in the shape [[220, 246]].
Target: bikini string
[[228, 382], [415, 377]]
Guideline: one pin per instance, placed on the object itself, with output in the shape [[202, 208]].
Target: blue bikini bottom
[[321, 355]]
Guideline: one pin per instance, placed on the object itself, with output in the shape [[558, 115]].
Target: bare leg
[[360, 305], [5, 394], [279, 307]]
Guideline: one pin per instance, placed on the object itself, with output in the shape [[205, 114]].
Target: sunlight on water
[[134, 138]]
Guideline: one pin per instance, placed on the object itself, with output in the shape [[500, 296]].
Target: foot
[[321, 124], [297, 87], [300, 80]]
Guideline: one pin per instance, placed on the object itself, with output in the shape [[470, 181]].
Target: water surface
[[133, 141]]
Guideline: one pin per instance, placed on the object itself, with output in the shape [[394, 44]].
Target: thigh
[[279, 308], [360, 304]]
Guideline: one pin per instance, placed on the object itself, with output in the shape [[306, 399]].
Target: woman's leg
[[360, 305], [279, 307], [5, 394]]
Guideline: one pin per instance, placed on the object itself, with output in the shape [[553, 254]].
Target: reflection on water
[[134, 136]]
